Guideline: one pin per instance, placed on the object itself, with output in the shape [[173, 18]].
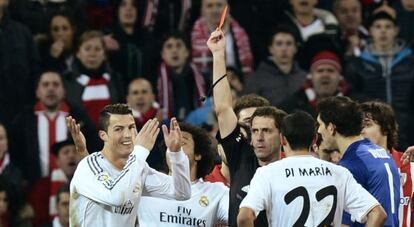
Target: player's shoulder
[[91, 162]]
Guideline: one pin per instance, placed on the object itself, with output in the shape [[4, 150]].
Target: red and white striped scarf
[[50, 131], [142, 118], [57, 179], [202, 56], [95, 95], [310, 92], [165, 89], [151, 13]]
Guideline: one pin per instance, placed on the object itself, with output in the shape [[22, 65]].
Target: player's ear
[[331, 129], [103, 135], [197, 157]]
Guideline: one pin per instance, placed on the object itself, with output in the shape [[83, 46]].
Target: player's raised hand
[[148, 134], [173, 138], [216, 42], [77, 136]]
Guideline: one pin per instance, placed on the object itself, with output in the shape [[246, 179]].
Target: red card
[[223, 17]]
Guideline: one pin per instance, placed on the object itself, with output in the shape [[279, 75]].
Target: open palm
[[172, 138]]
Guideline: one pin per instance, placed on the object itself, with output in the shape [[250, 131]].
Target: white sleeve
[[91, 181], [223, 208], [177, 186], [258, 196], [358, 201]]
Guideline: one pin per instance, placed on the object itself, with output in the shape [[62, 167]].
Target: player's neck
[[193, 173], [116, 161], [290, 153], [344, 142], [224, 170]]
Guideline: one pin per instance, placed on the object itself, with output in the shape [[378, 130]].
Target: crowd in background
[[74, 57]]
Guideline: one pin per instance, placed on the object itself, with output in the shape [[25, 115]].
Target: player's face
[[265, 138], [174, 53], [92, 53], [349, 14], [121, 134], [63, 208], [372, 131], [283, 48], [244, 118], [140, 96], [3, 141], [383, 32], [211, 10], [325, 80], [68, 159], [188, 148], [50, 90], [326, 132]]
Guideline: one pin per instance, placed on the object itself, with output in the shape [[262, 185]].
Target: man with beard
[[35, 130]]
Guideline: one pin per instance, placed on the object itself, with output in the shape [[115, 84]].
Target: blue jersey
[[376, 171]]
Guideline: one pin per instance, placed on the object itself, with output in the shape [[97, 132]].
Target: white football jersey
[[101, 195], [208, 206], [306, 191]]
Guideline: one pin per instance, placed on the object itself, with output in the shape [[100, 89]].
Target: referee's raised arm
[[223, 102]]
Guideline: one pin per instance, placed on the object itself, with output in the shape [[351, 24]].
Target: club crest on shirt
[[137, 188], [104, 177], [203, 201]]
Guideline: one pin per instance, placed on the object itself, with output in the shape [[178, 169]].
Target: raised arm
[[177, 186], [77, 136], [91, 181], [223, 102]]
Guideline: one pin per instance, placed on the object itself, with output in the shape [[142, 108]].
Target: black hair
[[299, 130]]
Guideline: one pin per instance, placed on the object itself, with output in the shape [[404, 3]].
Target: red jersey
[[406, 215]]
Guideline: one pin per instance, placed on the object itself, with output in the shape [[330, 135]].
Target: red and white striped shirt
[[406, 215]]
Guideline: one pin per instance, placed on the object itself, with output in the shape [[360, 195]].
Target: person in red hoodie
[[380, 126]]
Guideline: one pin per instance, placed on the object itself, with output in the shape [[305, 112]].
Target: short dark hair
[[107, 111], [248, 101], [203, 146], [381, 15], [48, 70], [283, 28], [343, 112], [62, 189], [271, 112], [299, 130], [88, 35], [382, 114], [176, 35]]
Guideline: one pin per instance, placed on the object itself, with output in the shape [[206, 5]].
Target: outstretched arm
[[77, 136], [223, 102]]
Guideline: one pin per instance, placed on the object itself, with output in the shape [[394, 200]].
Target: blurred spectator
[[141, 99], [62, 205], [19, 64], [11, 213], [57, 51], [354, 35], [13, 175], [99, 13], [238, 53], [36, 14], [309, 20], [324, 80], [256, 17], [180, 84], [67, 160], [35, 130], [236, 81], [279, 76], [131, 50], [385, 71], [91, 84], [405, 18]]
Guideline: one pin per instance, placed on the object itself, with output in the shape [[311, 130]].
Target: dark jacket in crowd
[[19, 67], [388, 78], [270, 82]]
